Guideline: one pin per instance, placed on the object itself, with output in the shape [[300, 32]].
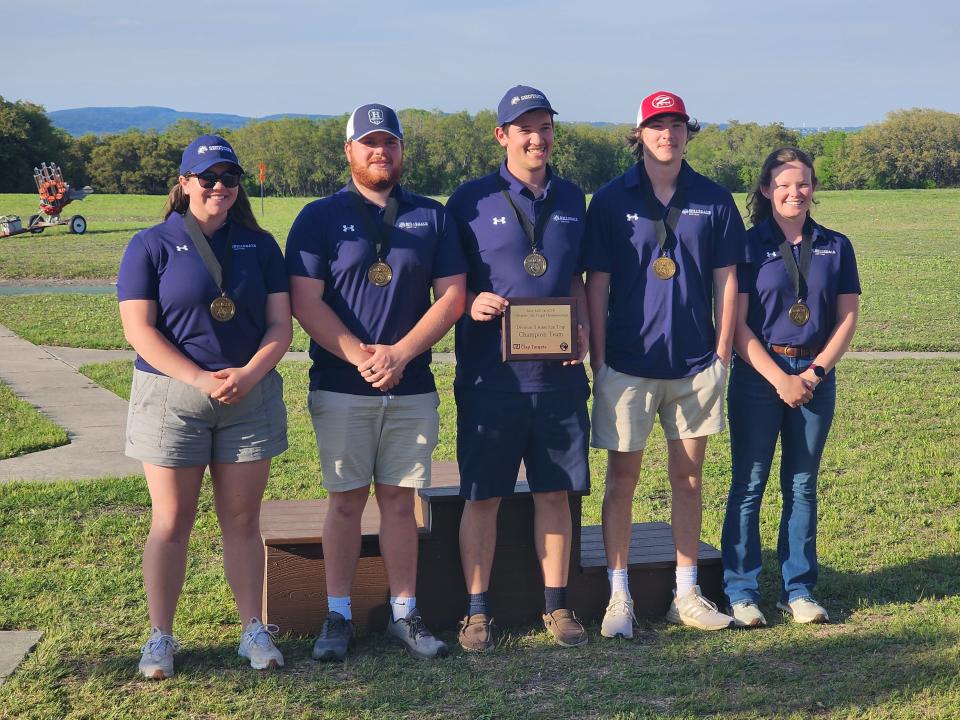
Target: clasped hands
[[797, 390]]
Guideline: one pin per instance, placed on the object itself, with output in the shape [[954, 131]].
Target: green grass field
[[905, 240], [889, 540]]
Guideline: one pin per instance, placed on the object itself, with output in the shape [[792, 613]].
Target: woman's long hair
[[759, 207], [240, 213]]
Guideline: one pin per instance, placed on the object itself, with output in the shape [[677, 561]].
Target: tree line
[[918, 148]]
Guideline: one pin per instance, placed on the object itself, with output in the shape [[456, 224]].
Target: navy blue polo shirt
[[661, 328], [329, 242], [162, 264], [495, 246], [763, 277]]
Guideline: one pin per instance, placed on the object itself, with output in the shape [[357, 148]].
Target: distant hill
[[106, 120]]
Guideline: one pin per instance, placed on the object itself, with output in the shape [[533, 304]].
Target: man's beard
[[377, 178]]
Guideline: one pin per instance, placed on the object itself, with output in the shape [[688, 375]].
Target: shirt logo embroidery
[[502, 220], [349, 228], [695, 211], [182, 248], [245, 246], [558, 218], [772, 254], [375, 116], [411, 224], [820, 251], [633, 217]]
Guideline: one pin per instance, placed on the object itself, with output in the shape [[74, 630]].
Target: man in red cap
[[661, 248]]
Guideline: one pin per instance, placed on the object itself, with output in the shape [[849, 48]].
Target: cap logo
[[662, 101], [515, 100], [375, 116], [213, 148]]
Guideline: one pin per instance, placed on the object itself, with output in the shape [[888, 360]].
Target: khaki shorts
[[624, 407], [172, 424], [389, 439]]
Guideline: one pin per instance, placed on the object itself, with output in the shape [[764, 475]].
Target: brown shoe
[[476, 633], [566, 629]]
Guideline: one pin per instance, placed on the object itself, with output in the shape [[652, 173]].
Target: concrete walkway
[[93, 417], [14, 647]]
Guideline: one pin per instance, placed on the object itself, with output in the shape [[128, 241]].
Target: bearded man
[[362, 264]]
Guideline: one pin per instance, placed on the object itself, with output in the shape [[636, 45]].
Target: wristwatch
[[817, 370]]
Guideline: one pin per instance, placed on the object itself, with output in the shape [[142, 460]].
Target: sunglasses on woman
[[208, 178]]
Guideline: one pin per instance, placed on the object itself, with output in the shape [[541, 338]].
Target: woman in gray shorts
[[204, 301]]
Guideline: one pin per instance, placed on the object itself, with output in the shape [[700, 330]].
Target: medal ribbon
[[379, 231], [797, 272], [534, 233], [217, 272], [675, 208]]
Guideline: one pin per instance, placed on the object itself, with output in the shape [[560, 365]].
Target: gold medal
[[664, 268], [535, 264], [799, 313], [380, 274], [223, 308]]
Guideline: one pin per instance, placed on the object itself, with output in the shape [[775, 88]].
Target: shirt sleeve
[[849, 282], [597, 252], [138, 277], [306, 248], [274, 271], [449, 258], [730, 241]]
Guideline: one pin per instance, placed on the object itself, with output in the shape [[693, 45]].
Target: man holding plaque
[[662, 247], [362, 264], [521, 228]]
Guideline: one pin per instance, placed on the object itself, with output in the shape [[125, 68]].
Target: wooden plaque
[[540, 329]]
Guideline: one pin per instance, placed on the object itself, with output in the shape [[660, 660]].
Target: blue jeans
[[757, 417]]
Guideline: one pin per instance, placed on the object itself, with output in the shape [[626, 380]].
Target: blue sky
[[812, 62]]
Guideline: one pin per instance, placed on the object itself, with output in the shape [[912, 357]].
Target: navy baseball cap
[[206, 151], [372, 118], [521, 99]]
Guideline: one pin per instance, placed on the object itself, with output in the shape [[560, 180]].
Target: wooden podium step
[[295, 589]]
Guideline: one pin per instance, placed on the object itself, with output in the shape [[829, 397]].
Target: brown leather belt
[[792, 351]]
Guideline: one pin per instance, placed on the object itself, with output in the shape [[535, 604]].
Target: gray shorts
[[388, 438], [172, 424]]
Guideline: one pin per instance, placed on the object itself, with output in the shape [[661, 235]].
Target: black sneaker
[[334, 639]]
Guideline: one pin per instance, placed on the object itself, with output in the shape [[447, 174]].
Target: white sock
[[686, 579], [619, 580], [402, 606], [340, 605]]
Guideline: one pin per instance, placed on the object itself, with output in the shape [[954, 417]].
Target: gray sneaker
[[619, 619], [256, 644], [156, 662], [334, 639], [747, 614], [694, 610], [412, 634], [805, 610]]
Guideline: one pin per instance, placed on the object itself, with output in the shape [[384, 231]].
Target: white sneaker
[[805, 610], [747, 614], [619, 619], [694, 610], [156, 661], [256, 644]]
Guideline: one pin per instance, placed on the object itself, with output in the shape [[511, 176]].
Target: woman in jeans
[[797, 312], [205, 302]]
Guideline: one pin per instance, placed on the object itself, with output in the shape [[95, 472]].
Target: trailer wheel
[[78, 225], [33, 219]]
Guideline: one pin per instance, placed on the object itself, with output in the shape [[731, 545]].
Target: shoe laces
[[622, 607], [263, 635], [415, 627], [706, 603], [160, 645]]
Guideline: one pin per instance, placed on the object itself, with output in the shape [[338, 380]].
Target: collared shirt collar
[[515, 187], [774, 236], [637, 173], [404, 196]]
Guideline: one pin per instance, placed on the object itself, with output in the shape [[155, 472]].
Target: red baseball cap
[[661, 103]]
